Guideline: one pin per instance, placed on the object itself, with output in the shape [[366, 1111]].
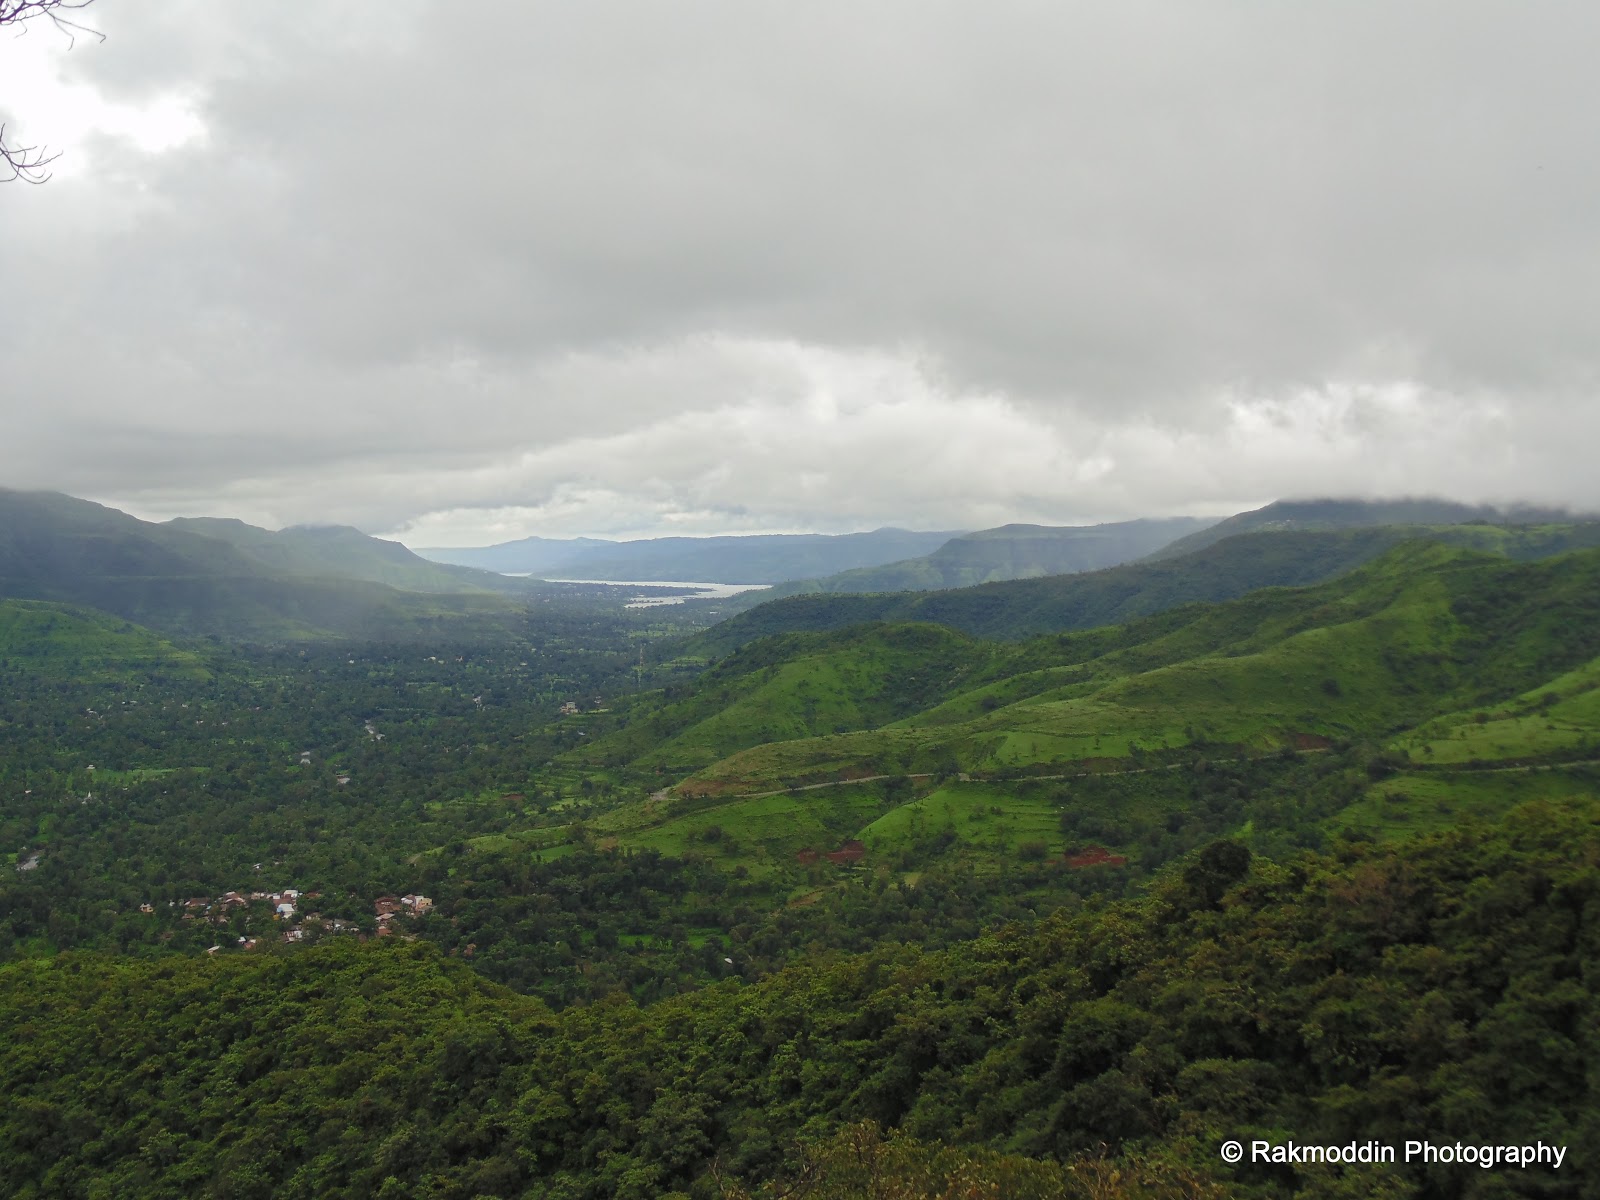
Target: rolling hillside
[[796, 686], [1220, 571], [54, 641], [250, 584], [1411, 635], [1307, 515], [1449, 657]]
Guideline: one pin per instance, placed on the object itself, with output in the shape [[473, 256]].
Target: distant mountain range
[[1263, 551], [880, 561], [213, 576], [738, 558], [1358, 514], [205, 576], [1009, 552]]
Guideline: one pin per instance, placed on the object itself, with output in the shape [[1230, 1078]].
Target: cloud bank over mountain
[[614, 269]]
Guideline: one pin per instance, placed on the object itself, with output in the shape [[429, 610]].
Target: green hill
[[340, 552], [54, 641], [796, 686], [801, 740], [1220, 571], [1009, 552], [1423, 630], [250, 584], [1305, 515]]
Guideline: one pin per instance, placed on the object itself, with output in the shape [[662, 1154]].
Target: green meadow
[[995, 822], [1417, 802], [1561, 717], [759, 832]]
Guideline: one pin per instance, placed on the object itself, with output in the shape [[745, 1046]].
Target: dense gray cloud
[[470, 272]]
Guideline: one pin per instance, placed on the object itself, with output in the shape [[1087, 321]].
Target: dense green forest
[[1442, 985], [583, 901]]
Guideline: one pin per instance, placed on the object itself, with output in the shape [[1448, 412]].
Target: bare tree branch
[[30, 163]]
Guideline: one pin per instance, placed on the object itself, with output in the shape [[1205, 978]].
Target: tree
[[31, 163]]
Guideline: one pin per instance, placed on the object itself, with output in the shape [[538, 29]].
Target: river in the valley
[[698, 591]]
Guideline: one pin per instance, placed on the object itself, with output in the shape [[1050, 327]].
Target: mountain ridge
[[1221, 570], [1013, 551], [725, 558], [232, 580]]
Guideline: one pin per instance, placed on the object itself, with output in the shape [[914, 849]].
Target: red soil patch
[[1095, 856], [1310, 741], [806, 857], [848, 852]]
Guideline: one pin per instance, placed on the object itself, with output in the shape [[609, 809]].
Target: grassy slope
[[55, 641], [1408, 647], [1421, 631], [1558, 717], [798, 686]]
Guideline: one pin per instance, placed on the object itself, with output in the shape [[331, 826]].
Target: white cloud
[[75, 119], [630, 268]]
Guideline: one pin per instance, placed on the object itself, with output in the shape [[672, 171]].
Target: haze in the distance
[[465, 273]]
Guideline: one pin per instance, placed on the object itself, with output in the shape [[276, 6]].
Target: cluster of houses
[[387, 908], [286, 905], [220, 909]]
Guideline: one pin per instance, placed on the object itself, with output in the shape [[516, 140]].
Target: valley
[[876, 870]]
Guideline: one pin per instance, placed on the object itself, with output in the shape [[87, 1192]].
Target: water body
[[700, 591]]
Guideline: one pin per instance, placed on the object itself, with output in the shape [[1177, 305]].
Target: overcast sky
[[460, 273]]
